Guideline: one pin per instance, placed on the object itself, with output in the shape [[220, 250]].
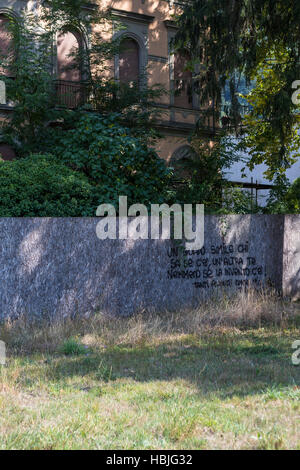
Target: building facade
[[147, 34]]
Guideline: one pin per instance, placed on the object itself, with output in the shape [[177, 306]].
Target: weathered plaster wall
[[59, 267]]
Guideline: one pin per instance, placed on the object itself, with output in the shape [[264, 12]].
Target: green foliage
[[271, 128], [105, 373], [204, 172], [293, 197], [114, 160], [98, 160], [135, 101], [276, 203], [31, 90], [258, 40], [72, 347], [40, 186], [95, 158], [238, 201]]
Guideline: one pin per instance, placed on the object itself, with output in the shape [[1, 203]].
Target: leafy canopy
[[113, 158], [258, 40]]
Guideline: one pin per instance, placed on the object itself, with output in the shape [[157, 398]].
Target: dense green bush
[[95, 162], [114, 160], [293, 197], [41, 186]]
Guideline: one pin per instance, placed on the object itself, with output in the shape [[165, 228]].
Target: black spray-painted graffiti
[[216, 266]]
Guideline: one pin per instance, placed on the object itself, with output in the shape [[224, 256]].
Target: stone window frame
[[64, 30], [12, 14], [183, 151], [137, 28], [172, 29], [85, 43]]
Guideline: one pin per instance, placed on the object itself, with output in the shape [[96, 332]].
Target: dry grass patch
[[247, 310], [214, 378]]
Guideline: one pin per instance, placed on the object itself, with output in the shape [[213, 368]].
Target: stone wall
[[291, 257], [57, 266]]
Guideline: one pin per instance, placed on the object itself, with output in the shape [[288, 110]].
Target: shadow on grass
[[230, 368]]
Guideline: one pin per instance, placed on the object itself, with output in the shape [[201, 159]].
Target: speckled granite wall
[[57, 267], [291, 257]]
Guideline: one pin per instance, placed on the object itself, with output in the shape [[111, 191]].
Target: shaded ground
[[223, 388]]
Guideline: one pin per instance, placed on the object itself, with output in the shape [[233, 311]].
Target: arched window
[[6, 45], [179, 161], [69, 91], [183, 82], [68, 44], [129, 65]]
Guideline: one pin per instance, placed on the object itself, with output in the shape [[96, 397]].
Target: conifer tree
[[258, 40]]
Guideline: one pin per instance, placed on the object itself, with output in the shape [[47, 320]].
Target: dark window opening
[[183, 82], [129, 65], [70, 91]]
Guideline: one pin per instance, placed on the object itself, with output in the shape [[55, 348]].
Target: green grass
[[72, 347], [225, 390], [132, 385]]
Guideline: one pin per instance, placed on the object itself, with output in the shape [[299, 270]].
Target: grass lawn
[[211, 388]]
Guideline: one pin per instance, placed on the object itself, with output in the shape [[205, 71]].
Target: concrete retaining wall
[[58, 266], [291, 257]]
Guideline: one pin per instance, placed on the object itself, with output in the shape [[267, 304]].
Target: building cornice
[[137, 17], [184, 129], [156, 58]]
